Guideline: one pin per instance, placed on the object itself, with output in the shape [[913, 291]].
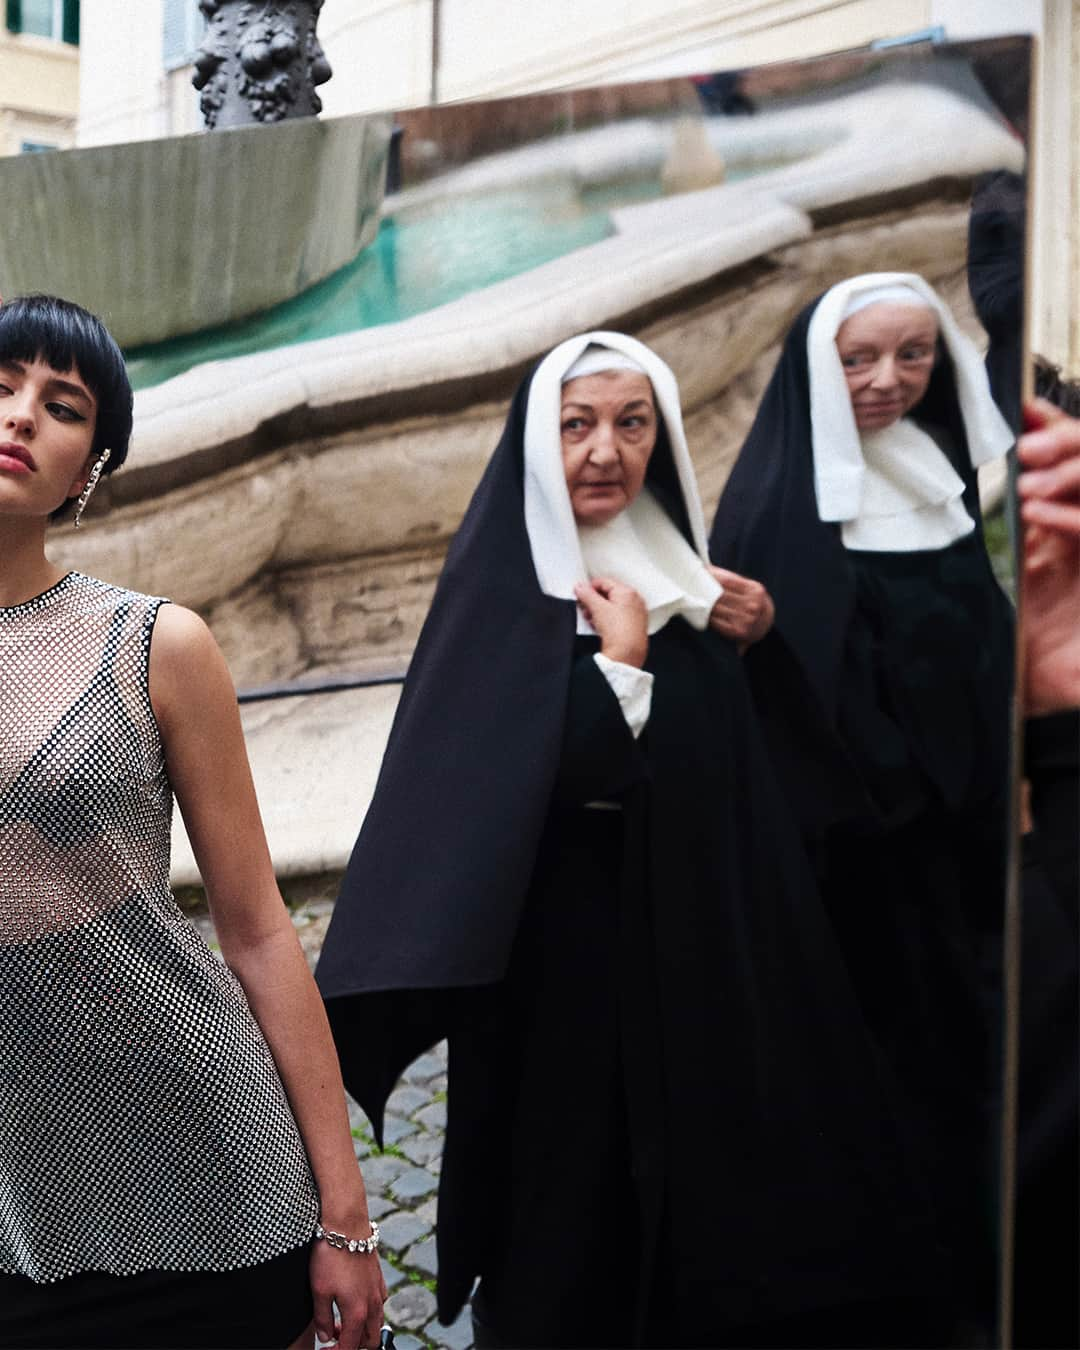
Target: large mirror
[[321, 384]]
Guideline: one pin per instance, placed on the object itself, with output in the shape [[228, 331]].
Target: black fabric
[[1047, 1307], [610, 980], [911, 655], [256, 1306], [995, 271]]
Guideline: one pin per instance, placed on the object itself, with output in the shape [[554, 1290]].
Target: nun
[[667, 1124], [855, 500]]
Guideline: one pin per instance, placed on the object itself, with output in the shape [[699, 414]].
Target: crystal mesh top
[[142, 1121]]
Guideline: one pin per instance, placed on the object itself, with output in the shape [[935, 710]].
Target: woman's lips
[[15, 458]]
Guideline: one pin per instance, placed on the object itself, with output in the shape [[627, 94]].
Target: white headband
[[595, 359], [885, 295]]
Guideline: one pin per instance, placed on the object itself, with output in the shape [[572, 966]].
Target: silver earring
[[91, 484]]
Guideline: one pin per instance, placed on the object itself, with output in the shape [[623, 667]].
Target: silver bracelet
[[344, 1244]]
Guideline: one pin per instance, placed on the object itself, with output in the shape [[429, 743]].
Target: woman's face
[[887, 351], [47, 421], [608, 424]]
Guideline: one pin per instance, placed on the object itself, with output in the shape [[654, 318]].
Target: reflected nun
[[855, 500], [578, 866]]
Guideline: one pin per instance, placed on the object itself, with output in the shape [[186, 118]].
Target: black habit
[[911, 654], [666, 1122]]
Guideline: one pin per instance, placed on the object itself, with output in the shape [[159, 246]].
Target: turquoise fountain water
[[418, 261]]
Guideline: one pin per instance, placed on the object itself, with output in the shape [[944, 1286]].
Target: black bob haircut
[[68, 337]]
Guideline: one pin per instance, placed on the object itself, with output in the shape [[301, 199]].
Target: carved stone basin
[[171, 236]]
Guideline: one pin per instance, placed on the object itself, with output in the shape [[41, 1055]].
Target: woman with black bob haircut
[[579, 867], [176, 1166], [65, 336]]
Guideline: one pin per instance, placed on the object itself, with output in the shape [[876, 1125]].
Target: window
[[183, 30], [35, 147], [57, 19]]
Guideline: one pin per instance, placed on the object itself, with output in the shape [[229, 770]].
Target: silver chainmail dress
[[143, 1124]]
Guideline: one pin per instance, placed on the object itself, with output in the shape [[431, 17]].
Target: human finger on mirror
[[744, 610], [1050, 490], [1050, 482], [619, 615]]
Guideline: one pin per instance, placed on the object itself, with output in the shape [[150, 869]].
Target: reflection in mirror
[[324, 462]]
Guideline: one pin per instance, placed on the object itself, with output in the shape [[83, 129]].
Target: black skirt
[[256, 1306]]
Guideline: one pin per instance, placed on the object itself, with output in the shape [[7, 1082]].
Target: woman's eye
[[573, 424], [914, 353], [64, 413], [854, 361]]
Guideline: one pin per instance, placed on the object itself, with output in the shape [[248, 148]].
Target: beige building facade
[[39, 76]]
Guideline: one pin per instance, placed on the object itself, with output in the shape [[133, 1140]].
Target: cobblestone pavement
[[403, 1179]]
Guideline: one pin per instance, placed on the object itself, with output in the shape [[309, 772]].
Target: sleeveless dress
[[143, 1125]]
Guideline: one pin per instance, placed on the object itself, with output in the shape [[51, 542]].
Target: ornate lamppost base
[[259, 61]]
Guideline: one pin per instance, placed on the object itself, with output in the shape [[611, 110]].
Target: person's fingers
[[1050, 443], [1040, 412], [1061, 516], [1059, 480], [605, 585], [731, 581], [325, 1326]]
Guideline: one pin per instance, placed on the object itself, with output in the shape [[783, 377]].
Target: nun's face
[[608, 426], [887, 351]]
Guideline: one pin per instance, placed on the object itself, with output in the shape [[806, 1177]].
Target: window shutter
[[71, 22], [14, 15], [181, 33]]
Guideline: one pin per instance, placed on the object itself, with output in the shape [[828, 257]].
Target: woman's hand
[[195, 706], [355, 1283], [744, 612], [620, 617], [1049, 489]]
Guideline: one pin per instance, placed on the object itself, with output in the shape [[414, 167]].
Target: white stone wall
[[380, 51], [122, 85]]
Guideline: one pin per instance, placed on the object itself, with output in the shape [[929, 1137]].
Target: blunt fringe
[[68, 337]]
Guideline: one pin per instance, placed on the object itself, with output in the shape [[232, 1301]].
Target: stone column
[[259, 61]]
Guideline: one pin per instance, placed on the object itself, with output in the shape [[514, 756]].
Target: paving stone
[[378, 1205], [414, 1184], [421, 1256], [402, 1228], [433, 1116], [428, 1211], [457, 1336], [381, 1169], [427, 1066], [361, 1147], [395, 1129], [389, 1273], [438, 1084], [407, 1342], [423, 1148], [410, 1307], [407, 1098]]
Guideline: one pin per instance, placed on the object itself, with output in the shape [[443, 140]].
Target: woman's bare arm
[[195, 705]]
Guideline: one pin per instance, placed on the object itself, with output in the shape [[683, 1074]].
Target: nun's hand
[[744, 612], [620, 617]]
